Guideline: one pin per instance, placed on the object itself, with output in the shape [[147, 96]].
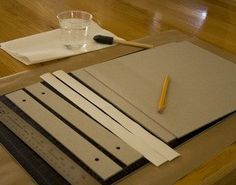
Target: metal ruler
[[49, 152]]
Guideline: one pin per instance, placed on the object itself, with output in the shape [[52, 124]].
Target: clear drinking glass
[[74, 28]]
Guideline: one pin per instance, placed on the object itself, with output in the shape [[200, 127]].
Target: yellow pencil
[[162, 101]]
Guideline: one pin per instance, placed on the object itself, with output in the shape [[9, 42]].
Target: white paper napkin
[[47, 46]]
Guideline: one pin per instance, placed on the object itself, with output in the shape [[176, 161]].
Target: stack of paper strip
[[111, 118]]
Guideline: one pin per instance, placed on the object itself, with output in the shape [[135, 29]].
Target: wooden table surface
[[211, 21]]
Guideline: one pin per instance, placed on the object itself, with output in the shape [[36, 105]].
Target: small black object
[[103, 39]]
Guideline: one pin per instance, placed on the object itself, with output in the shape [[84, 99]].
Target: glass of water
[[74, 28]]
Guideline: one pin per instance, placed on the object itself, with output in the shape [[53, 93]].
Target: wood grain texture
[[220, 170], [211, 21]]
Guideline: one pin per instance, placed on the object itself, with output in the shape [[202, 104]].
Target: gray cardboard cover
[[202, 86]]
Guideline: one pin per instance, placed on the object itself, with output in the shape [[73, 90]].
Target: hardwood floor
[[211, 21]]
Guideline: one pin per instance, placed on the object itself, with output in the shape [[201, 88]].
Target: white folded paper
[[47, 46]]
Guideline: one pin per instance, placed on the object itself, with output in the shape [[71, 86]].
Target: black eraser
[[103, 39]]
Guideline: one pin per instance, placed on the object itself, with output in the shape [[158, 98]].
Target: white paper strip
[[131, 139], [124, 120]]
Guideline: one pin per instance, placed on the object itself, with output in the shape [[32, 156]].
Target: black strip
[[35, 125], [69, 101], [41, 172], [102, 149], [129, 169], [198, 131]]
